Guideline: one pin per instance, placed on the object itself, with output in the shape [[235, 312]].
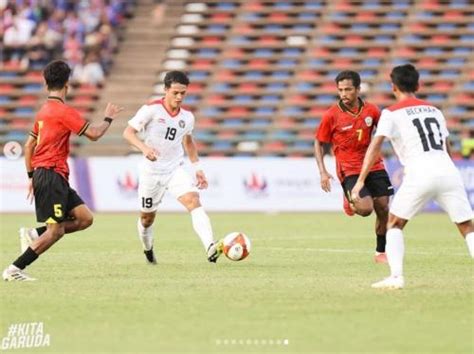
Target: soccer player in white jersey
[[167, 128], [418, 133]]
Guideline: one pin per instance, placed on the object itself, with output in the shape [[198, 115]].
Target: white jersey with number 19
[[164, 132], [417, 131]]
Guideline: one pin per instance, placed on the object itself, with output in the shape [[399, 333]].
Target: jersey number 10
[[430, 142]]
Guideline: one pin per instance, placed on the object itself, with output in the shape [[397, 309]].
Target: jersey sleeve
[[385, 126], [191, 124], [324, 131], [34, 131], [143, 116], [75, 123]]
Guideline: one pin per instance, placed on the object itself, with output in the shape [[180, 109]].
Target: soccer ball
[[236, 246]]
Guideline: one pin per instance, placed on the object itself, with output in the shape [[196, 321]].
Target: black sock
[[40, 230], [381, 241], [28, 257]]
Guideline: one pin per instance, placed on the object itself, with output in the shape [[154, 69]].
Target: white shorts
[[448, 192], [152, 187]]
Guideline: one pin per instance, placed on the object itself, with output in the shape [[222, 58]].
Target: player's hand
[[355, 193], [31, 195], [201, 180], [326, 181], [112, 110], [150, 153]]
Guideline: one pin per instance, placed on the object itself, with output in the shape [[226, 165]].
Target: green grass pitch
[[304, 288]]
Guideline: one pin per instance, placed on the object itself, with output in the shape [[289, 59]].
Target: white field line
[[345, 250]]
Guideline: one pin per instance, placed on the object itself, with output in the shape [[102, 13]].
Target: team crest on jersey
[[181, 123], [369, 121]]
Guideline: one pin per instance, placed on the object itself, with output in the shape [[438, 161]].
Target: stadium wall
[[110, 184]]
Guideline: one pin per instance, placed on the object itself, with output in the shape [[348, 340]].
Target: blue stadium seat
[[307, 16], [231, 63], [233, 122], [211, 112], [220, 87], [273, 28], [304, 86], [214, 28], [276, 86], [197, 75], [287, 63], [263, 53], [260, 123], [293, 110], [265, 111], [253, 135], [207, 53]]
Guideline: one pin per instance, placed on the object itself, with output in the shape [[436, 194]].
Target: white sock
[[470, 243], [395, 250], [202, 226], [145, 234]]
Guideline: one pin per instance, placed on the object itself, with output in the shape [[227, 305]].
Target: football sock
[[202, 226], [395, 251], [470, 243], [381, 241], [28, 257], [145, 234], [40, 230]]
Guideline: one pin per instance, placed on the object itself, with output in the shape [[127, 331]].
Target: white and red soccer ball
[[236, 246]]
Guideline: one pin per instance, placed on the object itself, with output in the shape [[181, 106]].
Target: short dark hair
[[56, 74], [405, 77], [176, 76], [349, 75]]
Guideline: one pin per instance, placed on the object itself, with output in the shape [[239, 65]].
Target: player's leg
[[51, 195], [150, 192], [381, 210], [182, 187], [145, 234], [79, 218], [380, 188], [408, 201], [364, 206], [452, 197]]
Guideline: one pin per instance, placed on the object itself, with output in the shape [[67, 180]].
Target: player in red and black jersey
[[46, 152], [348, 126]]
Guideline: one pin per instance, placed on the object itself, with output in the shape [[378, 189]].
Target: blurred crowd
[[85, 33]]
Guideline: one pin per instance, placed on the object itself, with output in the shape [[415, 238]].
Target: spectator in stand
[[90, 72]]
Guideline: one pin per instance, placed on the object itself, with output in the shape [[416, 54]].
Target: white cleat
[[27, 236], [390, 283], [14, 274]]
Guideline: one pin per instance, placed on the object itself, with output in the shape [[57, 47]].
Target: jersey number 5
[[431, 142]]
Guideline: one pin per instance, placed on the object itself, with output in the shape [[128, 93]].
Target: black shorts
[[377, 184], [54, 198]]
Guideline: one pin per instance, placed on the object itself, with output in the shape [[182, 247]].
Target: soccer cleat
[[380, 257], [150, 256], [390, 283], [214, 251], [347, 207], [16, 274], [26, 238]]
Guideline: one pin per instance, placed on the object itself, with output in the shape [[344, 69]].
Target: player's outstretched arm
[[95, 131], [326, 177], [373, 152], [130, 134]]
